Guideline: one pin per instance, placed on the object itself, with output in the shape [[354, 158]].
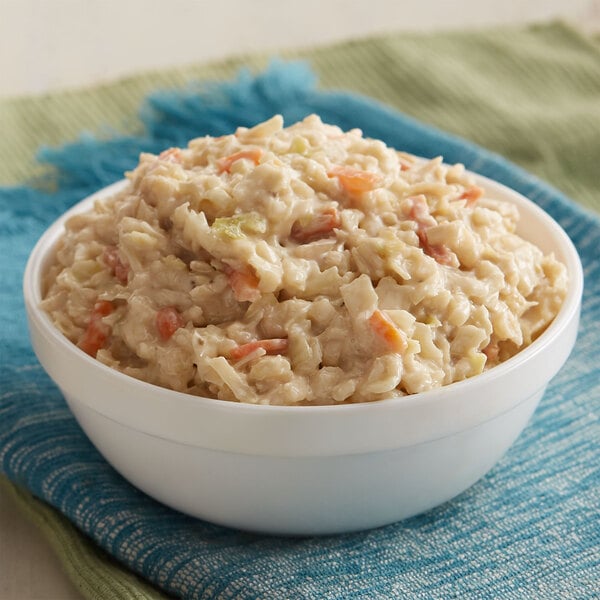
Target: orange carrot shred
[[321, 225], [354, 181], [472, 194], [172, 155], [244, 285], [102, 308], [224, 164], [404, 164], [387, 331], [168, 321], [95, 337], [439, 252], [271, 346], [419, 212], [97, 332], [119, 268]]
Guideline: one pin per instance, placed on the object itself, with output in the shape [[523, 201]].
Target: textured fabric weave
[[530, 529]]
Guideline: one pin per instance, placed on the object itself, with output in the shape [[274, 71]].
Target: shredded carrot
[[472, 194], [168, 321], [97, 332], [172, 155], [102, 308], [404, 164], [439, 252], [419, 211], [95, 336], [119, 268], [272, 346], [354, 181], [387, 331], [244, 285], [224, 164], [321, 225]]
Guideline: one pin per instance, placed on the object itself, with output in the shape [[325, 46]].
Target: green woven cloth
[[530, 94]]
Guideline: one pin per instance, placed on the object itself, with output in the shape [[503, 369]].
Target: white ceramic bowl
[[307, 470]]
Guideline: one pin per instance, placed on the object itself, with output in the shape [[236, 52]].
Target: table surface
[[63, 43]]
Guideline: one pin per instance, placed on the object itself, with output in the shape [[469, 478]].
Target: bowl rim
[[568, 310]]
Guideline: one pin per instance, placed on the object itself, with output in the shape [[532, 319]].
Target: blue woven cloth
[[529, 529]]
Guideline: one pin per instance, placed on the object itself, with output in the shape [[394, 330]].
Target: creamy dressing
[[300, 265]]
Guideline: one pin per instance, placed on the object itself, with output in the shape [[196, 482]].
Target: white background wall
[[49, 44]]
